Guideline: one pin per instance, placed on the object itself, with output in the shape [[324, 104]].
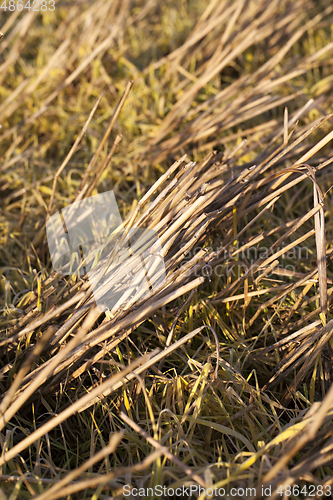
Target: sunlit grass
[[239, 392]]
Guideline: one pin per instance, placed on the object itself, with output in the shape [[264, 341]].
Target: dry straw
[[223, 376]]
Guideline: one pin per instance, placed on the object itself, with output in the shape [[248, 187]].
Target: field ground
[[212, 124]]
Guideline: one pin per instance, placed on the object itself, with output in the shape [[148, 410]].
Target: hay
[[221, 378]]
